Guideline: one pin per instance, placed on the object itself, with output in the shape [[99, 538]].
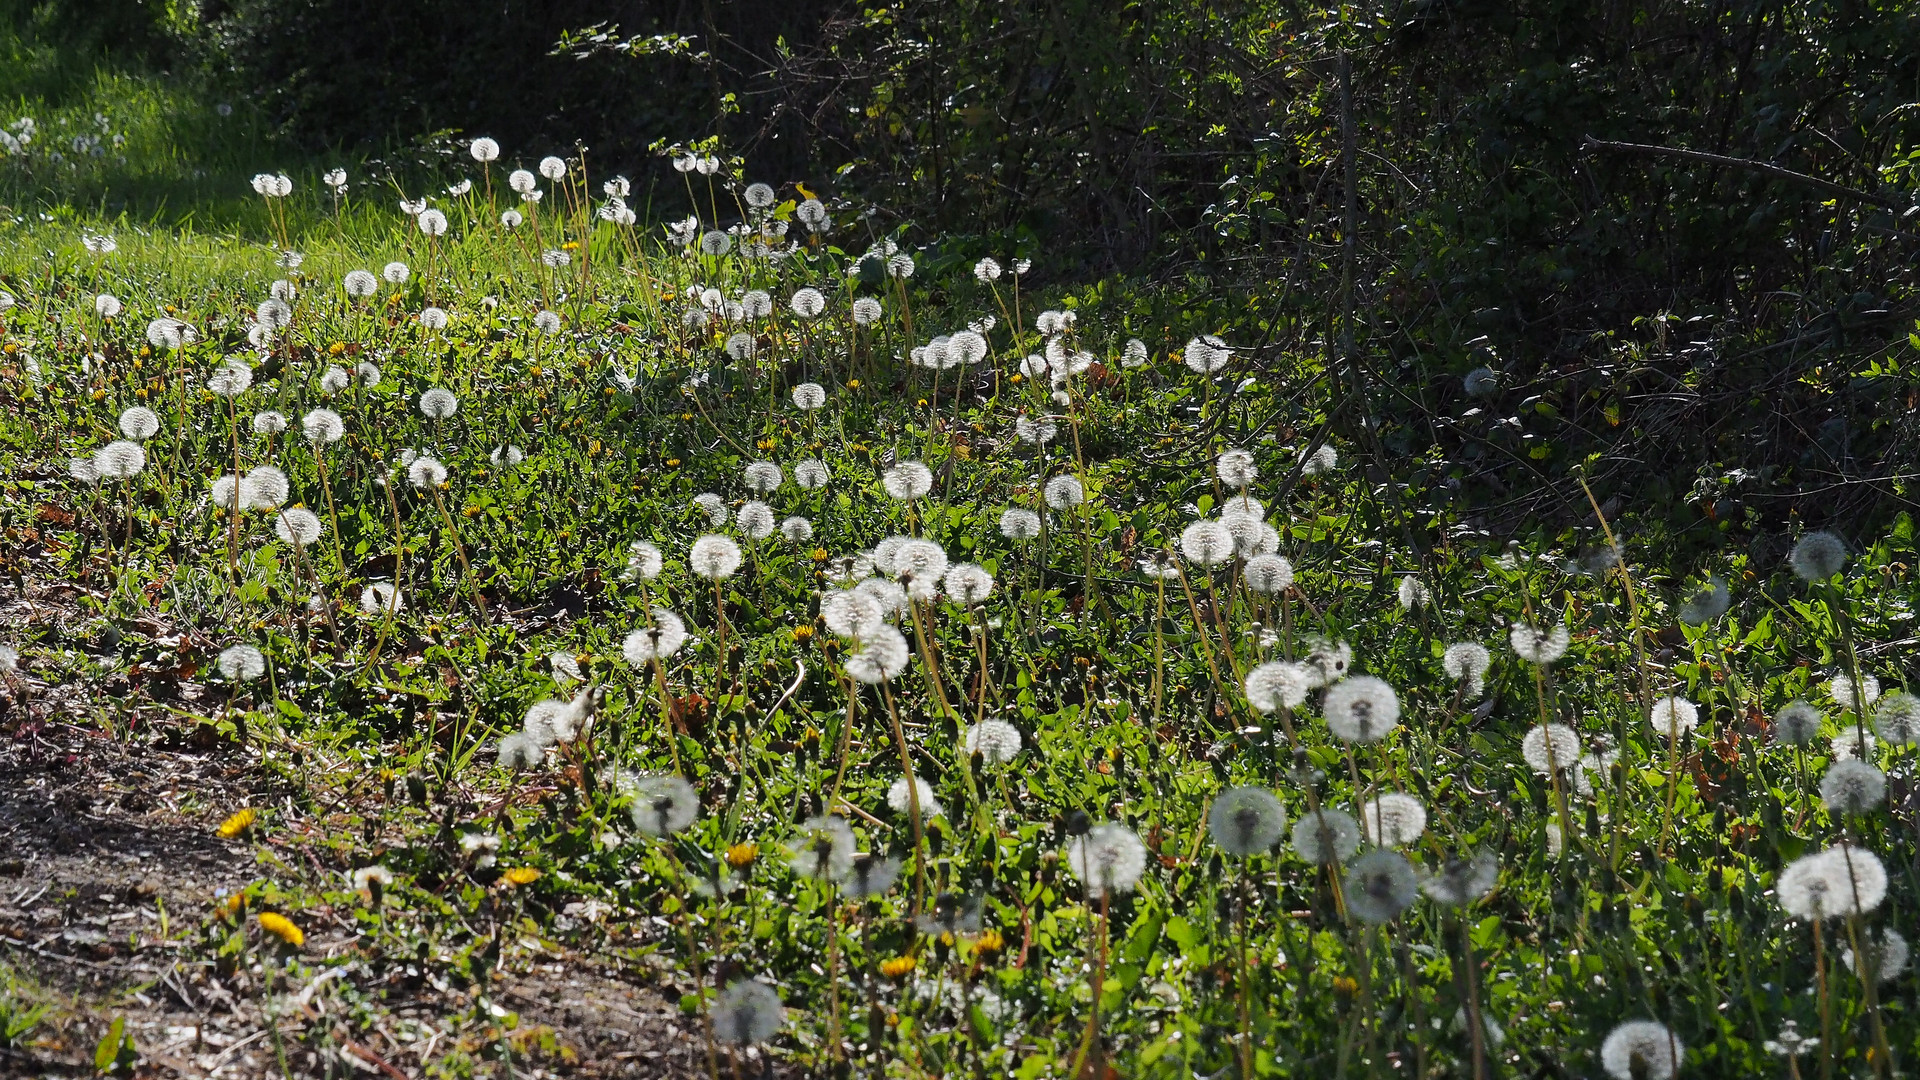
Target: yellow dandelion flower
[[990, 941], [336, 348], [742, 855], [240, 821], [521, 875], [282, 927], [897, 966], [802, 633]]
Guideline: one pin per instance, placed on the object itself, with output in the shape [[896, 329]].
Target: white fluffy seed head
[[1207, 543], [426, 472], [1019, 525], [264, 488], [1268, 574], [1361, 709], [882, 654], [1550, 748], [1380, 885], [661, 637], [1674, 717], [1840, 881], [1326, 836], [996, 741], [1818, 556], [1109, 858], [120, 460], [1641, 1050], [438, 403], [1393, 820], [1853, 787], [139, 423], [714, 557], [322, 426], [1277, 684], [1246, 821], [809, 396], [810, 473], [907, 481], [1538, 646], [241, 663]]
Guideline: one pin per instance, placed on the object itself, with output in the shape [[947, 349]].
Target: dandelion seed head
[[1108, 858], [1321, 462], [1886, 955], [1207, 354], [1207, 543], [1065, 493], [106, 305], [547, 322], [967, 583], [549, 722], [322, 426], [1268, 574], [1537, 646], [1462, 881], [1897, 718], [755, 520], [1466, 662], [996, 741], [643, 561], [1548, 748], [484, 150], [660, 638], [824, 849], [381, 598], [438, 403], [796, 529], [1019, 525], [849, 613], [1246, 821], [813, 214], [139, 423], [763, 477], [360, 284], [241, 663], [121, 459], [1481, 382], [1853, 787], [1275, 685], [869, 876], [1393, 819], [809, 396], [1326, 661], [907, 481], [1641, 1050], [264, 488], [714, 557], [83, 469], [1852, 696], [511, 219], [1326, 836], [1839, 881], [1707, 604], [882, 654], [900, 801], [866, 311], [1818, 556], [1413, 593], [230, 378], [1674, 717], [1380, 885], [662, 804], [1852, 744], [1796, 724], [810, 473], [1361, 709], [426, 472], [517, 750], [506, 456]]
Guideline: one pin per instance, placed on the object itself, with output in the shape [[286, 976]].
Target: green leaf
[[108, 1051]]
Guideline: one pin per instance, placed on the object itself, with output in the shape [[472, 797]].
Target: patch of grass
[[596, 461]]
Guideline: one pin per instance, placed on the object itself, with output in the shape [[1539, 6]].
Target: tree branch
[[1838, 191]]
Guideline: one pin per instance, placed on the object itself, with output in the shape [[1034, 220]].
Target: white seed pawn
[[381, 598], [810, 473], [1467, 662], [426, 472], [643, 561], [1853, 696], [1818, 556], [763, 477], [1380, 885], [1674, 717], [996, 741], [900, 801], [967, 584], [269, 422], [755, 520], [1361, 709], [1326, 836], [1236, 469], [748, 1013], [1796, 724], [1246, 821], [1207, 543], [1897, 718], [1537, 646], [907, 481], [796, 529], [882, 655], [661, 638], [1019, 525], [1840, 881], [139, 423], [1886, 955], [438, 404], [264, 488], [1393, 819], [120, 460], [1550, 748], [322, 426], [1641, 1050], [1108, 859], [1277, 685], [662, 804], [809, 396], [1064, 493], [714, 557], [1268, 574], [1853, 787], [241, 663], [360, 284]]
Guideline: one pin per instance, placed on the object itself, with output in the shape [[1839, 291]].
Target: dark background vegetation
[[1725, 346]]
